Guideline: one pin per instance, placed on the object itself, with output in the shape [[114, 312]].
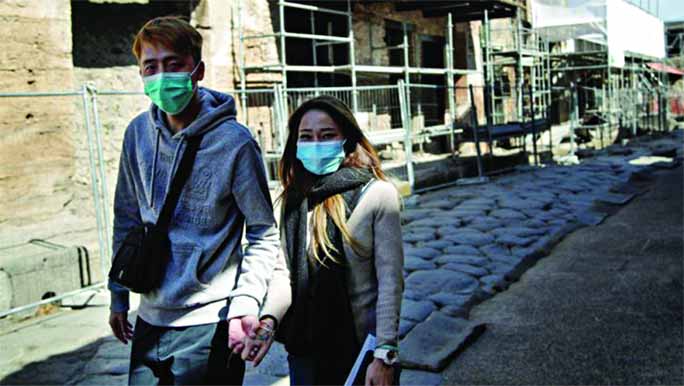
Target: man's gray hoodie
[[208, 277]]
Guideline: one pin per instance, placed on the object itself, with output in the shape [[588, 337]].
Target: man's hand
[[121, 328], [239, 330], [379, 374], [256, 349]]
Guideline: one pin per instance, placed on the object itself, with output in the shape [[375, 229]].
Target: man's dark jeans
[[195, 355]]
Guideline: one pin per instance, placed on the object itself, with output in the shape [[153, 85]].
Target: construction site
[[449, 92]]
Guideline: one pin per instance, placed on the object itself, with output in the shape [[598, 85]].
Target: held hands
[[256, 349], [379, 374], [250, 338]]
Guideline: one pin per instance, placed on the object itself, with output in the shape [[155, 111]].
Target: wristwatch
[[388, 354]]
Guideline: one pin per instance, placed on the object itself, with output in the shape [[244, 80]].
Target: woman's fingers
[[251, 348], [262, 352]]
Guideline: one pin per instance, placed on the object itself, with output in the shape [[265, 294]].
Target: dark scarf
[[345, 181]]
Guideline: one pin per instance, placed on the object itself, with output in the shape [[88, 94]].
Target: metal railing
[[87, 115]]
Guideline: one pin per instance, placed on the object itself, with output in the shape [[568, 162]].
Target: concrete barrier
[[38, 269]]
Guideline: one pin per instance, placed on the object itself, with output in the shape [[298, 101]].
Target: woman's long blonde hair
[[297, 181]]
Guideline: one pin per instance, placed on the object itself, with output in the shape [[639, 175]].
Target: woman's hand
[[379, 374], [256, 349]]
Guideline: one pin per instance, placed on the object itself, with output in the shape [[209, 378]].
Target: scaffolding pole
[[408, 136], [352, 59], [519, 66], [449, 52], [241, 55]]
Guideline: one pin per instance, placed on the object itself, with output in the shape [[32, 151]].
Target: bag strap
[[182, 174]]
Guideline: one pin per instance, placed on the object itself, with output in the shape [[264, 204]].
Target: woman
[[342, 237]]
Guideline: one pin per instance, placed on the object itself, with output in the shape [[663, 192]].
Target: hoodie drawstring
[[172, 170], [154, 169]]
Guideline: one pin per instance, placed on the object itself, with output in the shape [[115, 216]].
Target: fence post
[[93, 179], [103, 176], [280, 117], [476, 128], [575, 118], [450, 82], [408, 137]]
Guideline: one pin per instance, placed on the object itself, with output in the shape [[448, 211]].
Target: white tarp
[[632, 29], [616, 23]]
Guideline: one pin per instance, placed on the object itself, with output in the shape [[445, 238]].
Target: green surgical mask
[[170, 91]]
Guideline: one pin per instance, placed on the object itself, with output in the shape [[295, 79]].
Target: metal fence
[[52, 205]]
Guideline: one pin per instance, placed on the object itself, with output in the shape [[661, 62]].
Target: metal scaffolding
[[519, 51], [605, 98], [412, 94]]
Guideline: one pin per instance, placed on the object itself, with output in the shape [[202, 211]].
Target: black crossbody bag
[[140, 262]]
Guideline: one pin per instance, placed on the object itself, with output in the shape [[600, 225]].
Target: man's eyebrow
[[171, 57]]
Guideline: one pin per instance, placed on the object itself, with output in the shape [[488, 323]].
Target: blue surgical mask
[[321, 157]]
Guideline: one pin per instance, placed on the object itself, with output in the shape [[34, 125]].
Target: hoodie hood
[[215, 108]]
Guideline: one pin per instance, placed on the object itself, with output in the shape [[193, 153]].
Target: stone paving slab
[[431, 344]]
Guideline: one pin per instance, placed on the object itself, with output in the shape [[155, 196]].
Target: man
[[211, 291]]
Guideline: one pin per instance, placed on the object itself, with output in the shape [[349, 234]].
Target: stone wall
[[37, 146], [103, 32], [213, 19], [369, 31]]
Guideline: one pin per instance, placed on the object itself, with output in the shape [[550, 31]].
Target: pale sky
[[672, 10]]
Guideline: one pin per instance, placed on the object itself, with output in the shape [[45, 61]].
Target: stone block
[[590, 217], [437, 244], [422, 252], [414, 237], [496, 281], [614, 198], [466, 250], [465, 268], [508, 214], [514, 241], [416, 311], [405, 326], [470, 237], [444, 299], [416, 264], [433, 343], [477, 261], [32, 271], [426, 283], [495, 250]]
